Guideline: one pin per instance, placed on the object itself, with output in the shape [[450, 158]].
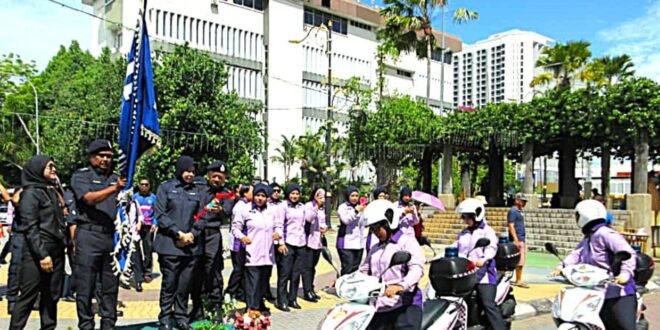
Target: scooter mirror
[[551, 248], [400, 258], [482, 242]]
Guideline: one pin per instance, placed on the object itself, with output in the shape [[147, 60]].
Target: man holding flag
[[95, 189], [103, 196]]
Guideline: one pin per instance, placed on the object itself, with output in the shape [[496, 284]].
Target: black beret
[[99, 145]]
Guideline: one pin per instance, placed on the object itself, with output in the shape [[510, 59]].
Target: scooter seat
[[432, 310]]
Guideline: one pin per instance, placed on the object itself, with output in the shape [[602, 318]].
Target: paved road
[[544, 322]]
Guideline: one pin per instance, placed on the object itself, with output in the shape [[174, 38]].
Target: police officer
[[95, 189], [178, 242], [211, 263]]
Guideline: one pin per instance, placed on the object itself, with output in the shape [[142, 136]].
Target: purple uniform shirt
[[291, 226], [408, 275], [316, 218], [257, 224], [350, 236], [408, 221], [467, 239], [597, 249], [241, 205]]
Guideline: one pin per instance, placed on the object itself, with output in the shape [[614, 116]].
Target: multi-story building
[[497, 69], [253, 38]]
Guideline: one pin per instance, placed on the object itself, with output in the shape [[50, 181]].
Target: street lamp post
[[36, 112], [328, 130]]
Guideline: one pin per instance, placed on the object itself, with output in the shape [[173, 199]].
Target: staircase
[[542, 225]]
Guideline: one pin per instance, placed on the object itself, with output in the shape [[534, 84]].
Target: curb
[[537, 307]]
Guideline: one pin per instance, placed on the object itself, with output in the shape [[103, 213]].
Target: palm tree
[[286, 154], [564, 61], [604, 71], [408, 27]]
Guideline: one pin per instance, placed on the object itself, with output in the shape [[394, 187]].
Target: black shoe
[[3, 262], [282, 307], [138, 287], [316, 296], [294, 304], [264, 309], [183, 326], [120, 313], [269, 296], [308, 296], [69, 299]]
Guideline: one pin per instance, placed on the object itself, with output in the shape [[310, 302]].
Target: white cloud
[[640, 38], [35, 29]]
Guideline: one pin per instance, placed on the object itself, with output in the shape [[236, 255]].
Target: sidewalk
[[142, 308]]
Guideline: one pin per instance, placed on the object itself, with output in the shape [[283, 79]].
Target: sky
[[35, 29]]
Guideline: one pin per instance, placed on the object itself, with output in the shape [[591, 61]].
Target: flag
[[139, 131]]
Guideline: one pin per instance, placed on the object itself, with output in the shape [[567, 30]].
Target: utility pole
[[328, 130]]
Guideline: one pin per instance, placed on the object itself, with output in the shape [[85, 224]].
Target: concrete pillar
[[528, 166], [447, 194], [640, 184], [641, 213]]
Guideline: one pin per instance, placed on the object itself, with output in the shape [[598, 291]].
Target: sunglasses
[[276, 190], [51, 166]]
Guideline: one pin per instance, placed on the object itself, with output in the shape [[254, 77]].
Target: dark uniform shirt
[[89, 179], [176, 204], [214, 220]]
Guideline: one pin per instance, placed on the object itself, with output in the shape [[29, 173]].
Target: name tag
[[97, 181]]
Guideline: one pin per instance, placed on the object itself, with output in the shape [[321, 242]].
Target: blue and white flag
[[139, 131]]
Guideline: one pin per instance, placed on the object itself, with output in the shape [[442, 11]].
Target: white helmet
[[472, 206], [589, 210], [380, 210]]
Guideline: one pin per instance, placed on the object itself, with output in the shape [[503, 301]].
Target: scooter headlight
[[358, 322]]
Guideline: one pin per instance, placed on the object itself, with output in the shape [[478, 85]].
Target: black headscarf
[[349, 191], [182, 165], [378, 191], [33, 172], [291, 188], [405, 191]]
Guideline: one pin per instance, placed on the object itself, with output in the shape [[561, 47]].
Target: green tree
[[286, 155], [409, 27], [564, 61]]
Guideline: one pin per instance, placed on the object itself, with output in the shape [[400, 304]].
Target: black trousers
[[409, 318], [309, 273], [289, 271], [137, 259], [620, 313], [178, 272], [236, 284], [256, 284], [6, 248], [211, 266], [486, 295], [17, 246], [93, 264], [350, 260], [35, 283], [147, 239]]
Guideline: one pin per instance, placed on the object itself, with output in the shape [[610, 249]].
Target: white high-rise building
[[497, 69], [253, 38]]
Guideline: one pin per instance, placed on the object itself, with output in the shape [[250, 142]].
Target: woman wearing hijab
[[314, 229], [41, 225], [236, 284], [350, 239], [409, 217], [177, 242], [253, 227], [290, 231]]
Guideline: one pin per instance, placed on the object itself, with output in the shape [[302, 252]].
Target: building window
[[361, 25], [254, 4], [317, 17], [404, 73], [325, 3]]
